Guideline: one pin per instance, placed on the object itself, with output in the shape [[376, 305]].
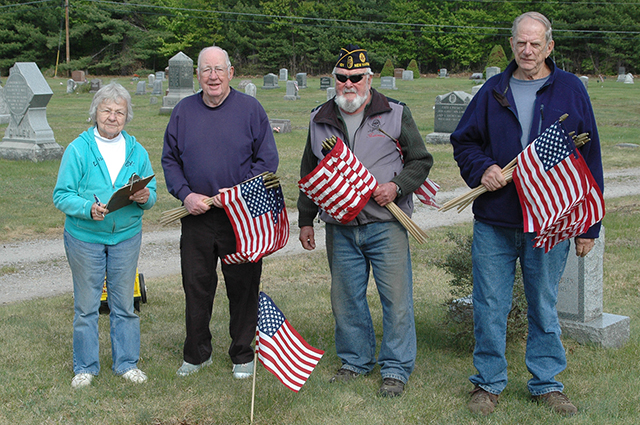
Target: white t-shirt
[[113, 151]]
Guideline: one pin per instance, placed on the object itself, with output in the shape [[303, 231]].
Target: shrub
[[459, 321], [498, 58], [413, 66], [387, 69]]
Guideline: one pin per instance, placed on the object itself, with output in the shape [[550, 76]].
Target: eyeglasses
[[353, 78], [107, 112], [206, 72]]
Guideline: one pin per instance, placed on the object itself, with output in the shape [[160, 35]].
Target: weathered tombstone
[[4, 109], [151, 79], [243, 84], [157, 88], [141, 88], [160, 76], [251, 89], [284, 74], [622, 70], [292, 91], [475, 89], [78, 76], [71, 86], [448, 111], [280, 125], [153, 100], [180, 82], [628, 79], [96, 84], [580, 301], [270, 81], [407, 75], [28, 135], [442, 73], [301, 78], [476, 76], [331, 93], [490, 71], [397, 73], [325, 83], [585, 81], [388, 83]]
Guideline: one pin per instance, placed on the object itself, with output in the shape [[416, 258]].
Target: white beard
[[350, 106]]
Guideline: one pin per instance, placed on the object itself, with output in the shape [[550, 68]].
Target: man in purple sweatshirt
[[216, 139]]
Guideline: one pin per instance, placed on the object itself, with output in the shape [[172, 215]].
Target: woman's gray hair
[[112, 92], [537, 17]]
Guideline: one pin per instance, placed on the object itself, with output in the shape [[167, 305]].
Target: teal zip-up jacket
[[83, 174]]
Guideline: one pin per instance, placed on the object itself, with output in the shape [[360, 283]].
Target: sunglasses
[[353, 78]]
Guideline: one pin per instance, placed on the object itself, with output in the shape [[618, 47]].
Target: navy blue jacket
[[489, 133]]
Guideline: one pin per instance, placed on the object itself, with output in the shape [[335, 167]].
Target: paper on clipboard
[[121, 197]]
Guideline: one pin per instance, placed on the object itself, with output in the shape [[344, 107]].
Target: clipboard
[[120, 198]]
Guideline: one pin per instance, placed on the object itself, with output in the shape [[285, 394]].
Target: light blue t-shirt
[[524, 93]]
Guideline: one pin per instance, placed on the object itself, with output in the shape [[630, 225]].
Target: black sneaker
[[391, 387], [344, 375]]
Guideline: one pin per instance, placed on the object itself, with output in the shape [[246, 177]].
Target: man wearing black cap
[[368, 123]]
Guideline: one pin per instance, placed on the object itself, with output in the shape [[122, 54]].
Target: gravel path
[[41, 268]]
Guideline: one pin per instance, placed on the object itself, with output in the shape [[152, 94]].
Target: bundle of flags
[[280, 349], [340, 184], [259, 219], [559, 197]]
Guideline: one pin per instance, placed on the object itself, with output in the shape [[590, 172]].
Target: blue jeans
[[494, 252], [89, 262], [352, 252]]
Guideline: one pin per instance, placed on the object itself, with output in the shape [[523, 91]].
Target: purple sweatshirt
[[206, 149]]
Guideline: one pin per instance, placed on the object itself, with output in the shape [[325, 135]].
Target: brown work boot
[[482, 402], [558, 402], [344, 375]]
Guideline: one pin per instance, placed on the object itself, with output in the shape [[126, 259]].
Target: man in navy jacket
[[507, 114]]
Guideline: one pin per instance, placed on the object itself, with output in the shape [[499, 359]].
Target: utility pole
[[66, 23]]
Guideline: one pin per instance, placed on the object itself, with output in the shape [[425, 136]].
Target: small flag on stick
[[281, 349], [426, 193]]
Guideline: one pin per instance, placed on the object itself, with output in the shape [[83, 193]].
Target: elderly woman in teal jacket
[[101, 243]]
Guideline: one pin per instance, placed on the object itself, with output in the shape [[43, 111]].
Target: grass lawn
[[35, 336]]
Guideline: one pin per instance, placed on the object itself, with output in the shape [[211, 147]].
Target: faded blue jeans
[[494, 253], [352, 252], [89, 262]]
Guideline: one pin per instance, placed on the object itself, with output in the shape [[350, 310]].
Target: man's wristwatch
[[398, 190]]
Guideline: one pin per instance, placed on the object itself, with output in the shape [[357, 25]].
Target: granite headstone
[[270, 81], [292, 91], [180, 82], [388, 83]]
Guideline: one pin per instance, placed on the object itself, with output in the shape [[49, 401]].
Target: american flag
[[426, 193], [340, 184], [281, 349], [259, 219], [559, 197]]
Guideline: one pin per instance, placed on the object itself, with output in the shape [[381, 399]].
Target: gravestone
[[448, 111], [243, 84], [71, 86], [180, 82], [280, 125], [270, 81], [292, 91], [28, 135], [78, 76], [628, 79], [151, 79], [397, 73], [160, 76], [325, 83], [141, 88], [301, 78], [442, 73], [407, 75], [476, 76], [475, 89], [490, 71], [331, 93], [580, 301], [284, 74], [4, 109], [153, 100], [96, 84], [622, 70], [388, 83], [157, 88], [251, 89], [621, 78], [585, 81]]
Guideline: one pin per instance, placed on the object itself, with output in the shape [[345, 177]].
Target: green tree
[[413, 66], [498, 58], [387, 69]]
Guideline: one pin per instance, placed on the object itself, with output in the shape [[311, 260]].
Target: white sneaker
[[187, 368], [242, 371], [135, 375], [81, 380]]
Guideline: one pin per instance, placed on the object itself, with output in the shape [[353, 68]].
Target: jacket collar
[[502, 88]]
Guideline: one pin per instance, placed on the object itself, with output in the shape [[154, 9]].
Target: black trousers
[[205, 239]]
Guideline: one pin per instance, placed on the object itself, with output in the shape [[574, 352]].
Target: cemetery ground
[[35, 335]]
